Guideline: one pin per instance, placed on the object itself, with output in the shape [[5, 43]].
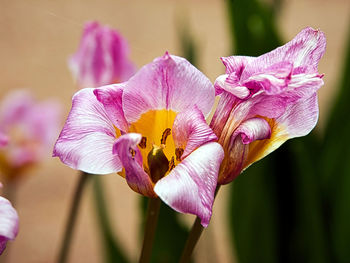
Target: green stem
[[67, 238], [150, 229], [193, 237]]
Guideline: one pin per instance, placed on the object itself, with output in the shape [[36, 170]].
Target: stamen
[[132, 151], [143, 142], [171, 164], [178, 153], [165, 135]]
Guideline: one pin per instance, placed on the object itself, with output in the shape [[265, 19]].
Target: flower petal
[[298, 120], [169, 82], [252, 130], [126, 147], [231, 84], [111, 98], [190, 131], [236, 64], [190, 186], [237, 147], [305, 51], [273, 80], [87, 138], [102, 57], [8, 223]]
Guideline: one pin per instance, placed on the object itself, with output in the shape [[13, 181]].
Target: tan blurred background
[[36, 39]]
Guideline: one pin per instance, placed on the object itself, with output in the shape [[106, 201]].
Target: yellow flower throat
[[157, 145]]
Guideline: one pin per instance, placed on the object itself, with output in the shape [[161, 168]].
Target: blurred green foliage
[[170, 236], [112, 251], [294, 205], [335, 167]]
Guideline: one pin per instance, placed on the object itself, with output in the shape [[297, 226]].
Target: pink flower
[[267, 100], [102, 57], [8, 222], [153, 126], [3, 140], [27, 131]]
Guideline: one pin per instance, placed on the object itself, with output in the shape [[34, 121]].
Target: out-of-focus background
[[37, 37]]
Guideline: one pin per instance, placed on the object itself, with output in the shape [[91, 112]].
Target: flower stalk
[[193, 237], [150, 229], [72, 217]]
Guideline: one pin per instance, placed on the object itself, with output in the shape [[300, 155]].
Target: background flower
[[102, 57], [28, 130]]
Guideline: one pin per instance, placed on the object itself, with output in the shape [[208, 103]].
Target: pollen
[[171, 164], [143, 143], [165, 135], [178, 153]]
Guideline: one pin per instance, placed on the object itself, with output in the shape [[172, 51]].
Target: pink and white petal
[[126, 147], [223, 114], [169, 82], [304, 85], [111, 98], [305, 50], [8, 223], [190, 186], [86, 141], [300, 118], [102, 57], [119, 51], [231, 84], [237, 147], [252, 130], [236, 64], [190, 131], [84, 66], [273, 80], [262, 105]]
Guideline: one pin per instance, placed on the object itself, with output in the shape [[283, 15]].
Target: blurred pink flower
[[267, 100], [27, 131], [3, 140], [153, 126], [102, 57], [8, 223]]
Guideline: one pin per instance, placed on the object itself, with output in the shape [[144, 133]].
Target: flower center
[[157, 146]]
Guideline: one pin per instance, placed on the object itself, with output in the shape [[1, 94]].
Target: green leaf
[[335, 166], [253, 27], [253, 215]]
